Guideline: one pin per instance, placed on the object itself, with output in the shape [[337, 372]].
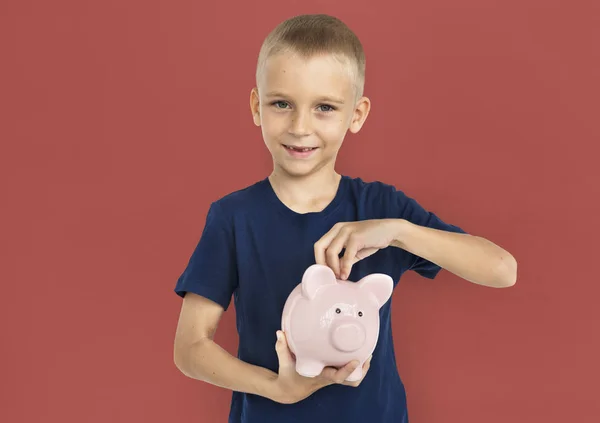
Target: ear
[[255, 106], [316, 277], [379, 285], [361, 111]]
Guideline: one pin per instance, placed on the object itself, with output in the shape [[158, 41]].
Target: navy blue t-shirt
[[257, 249]]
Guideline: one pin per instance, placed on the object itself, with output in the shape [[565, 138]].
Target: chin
[[299, 170]]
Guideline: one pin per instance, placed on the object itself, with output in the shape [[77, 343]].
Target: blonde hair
[[311, 35]]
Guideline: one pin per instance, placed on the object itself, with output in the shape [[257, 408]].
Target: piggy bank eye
[[338, 311], [360, 314]]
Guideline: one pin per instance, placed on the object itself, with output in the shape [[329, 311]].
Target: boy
[[258, 241]]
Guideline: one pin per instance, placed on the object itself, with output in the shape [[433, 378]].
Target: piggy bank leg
[[309, 368], [356, 375]]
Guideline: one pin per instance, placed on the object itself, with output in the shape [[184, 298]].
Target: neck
[[308, 193]]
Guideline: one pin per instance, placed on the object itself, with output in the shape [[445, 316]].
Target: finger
[[283, 352], [365, 369], [322, 244], [350, 255], [366, 252], [353, 384], [335, 248], [367, 365], [340, 375], [350, 260]]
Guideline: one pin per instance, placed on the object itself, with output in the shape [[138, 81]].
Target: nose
[[348, 337], [300, 125]]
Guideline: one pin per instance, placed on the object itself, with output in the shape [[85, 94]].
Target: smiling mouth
[[299, 149]]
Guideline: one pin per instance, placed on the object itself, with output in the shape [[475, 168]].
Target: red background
[[122, 120]]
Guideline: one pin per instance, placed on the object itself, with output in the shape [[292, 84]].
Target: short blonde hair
[[311, 35]]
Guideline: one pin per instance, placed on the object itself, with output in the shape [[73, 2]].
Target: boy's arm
[[432, 244], [197, 356], [472, 258]]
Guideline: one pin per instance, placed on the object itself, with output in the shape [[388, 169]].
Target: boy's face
[[305, 107]]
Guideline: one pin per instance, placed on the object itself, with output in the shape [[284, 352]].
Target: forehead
[[313, 76]]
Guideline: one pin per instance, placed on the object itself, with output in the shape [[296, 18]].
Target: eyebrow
[[326, 98]]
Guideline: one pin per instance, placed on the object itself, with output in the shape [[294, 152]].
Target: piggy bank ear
[[315, 277], [379, 285]]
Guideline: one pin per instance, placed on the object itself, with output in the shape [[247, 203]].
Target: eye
[[279, 103], [360, 314], [328, 108], [338, 311]]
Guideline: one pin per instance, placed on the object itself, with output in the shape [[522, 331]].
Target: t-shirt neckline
[[331, 207]]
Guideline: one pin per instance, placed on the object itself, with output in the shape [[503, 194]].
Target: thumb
[[283, 352]]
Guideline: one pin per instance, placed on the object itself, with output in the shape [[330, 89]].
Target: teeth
[[300, 149]]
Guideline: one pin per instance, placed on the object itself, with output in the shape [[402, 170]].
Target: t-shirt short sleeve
[[211, 271], [409, 209]]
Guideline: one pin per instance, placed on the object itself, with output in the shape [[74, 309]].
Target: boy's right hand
[[291, 387]]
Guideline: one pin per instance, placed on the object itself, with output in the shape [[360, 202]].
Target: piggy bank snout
[[348, 336]]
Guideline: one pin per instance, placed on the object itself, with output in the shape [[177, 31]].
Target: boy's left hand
[[360, 240]]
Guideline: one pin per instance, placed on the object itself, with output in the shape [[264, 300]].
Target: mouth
[[299, 149]]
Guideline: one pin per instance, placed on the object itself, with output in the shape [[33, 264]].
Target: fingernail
[[278, 333]]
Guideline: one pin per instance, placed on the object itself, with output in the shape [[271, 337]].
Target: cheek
[[332, 129], [272, 124]]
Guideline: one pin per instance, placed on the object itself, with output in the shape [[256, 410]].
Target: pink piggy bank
[[330, 322]]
